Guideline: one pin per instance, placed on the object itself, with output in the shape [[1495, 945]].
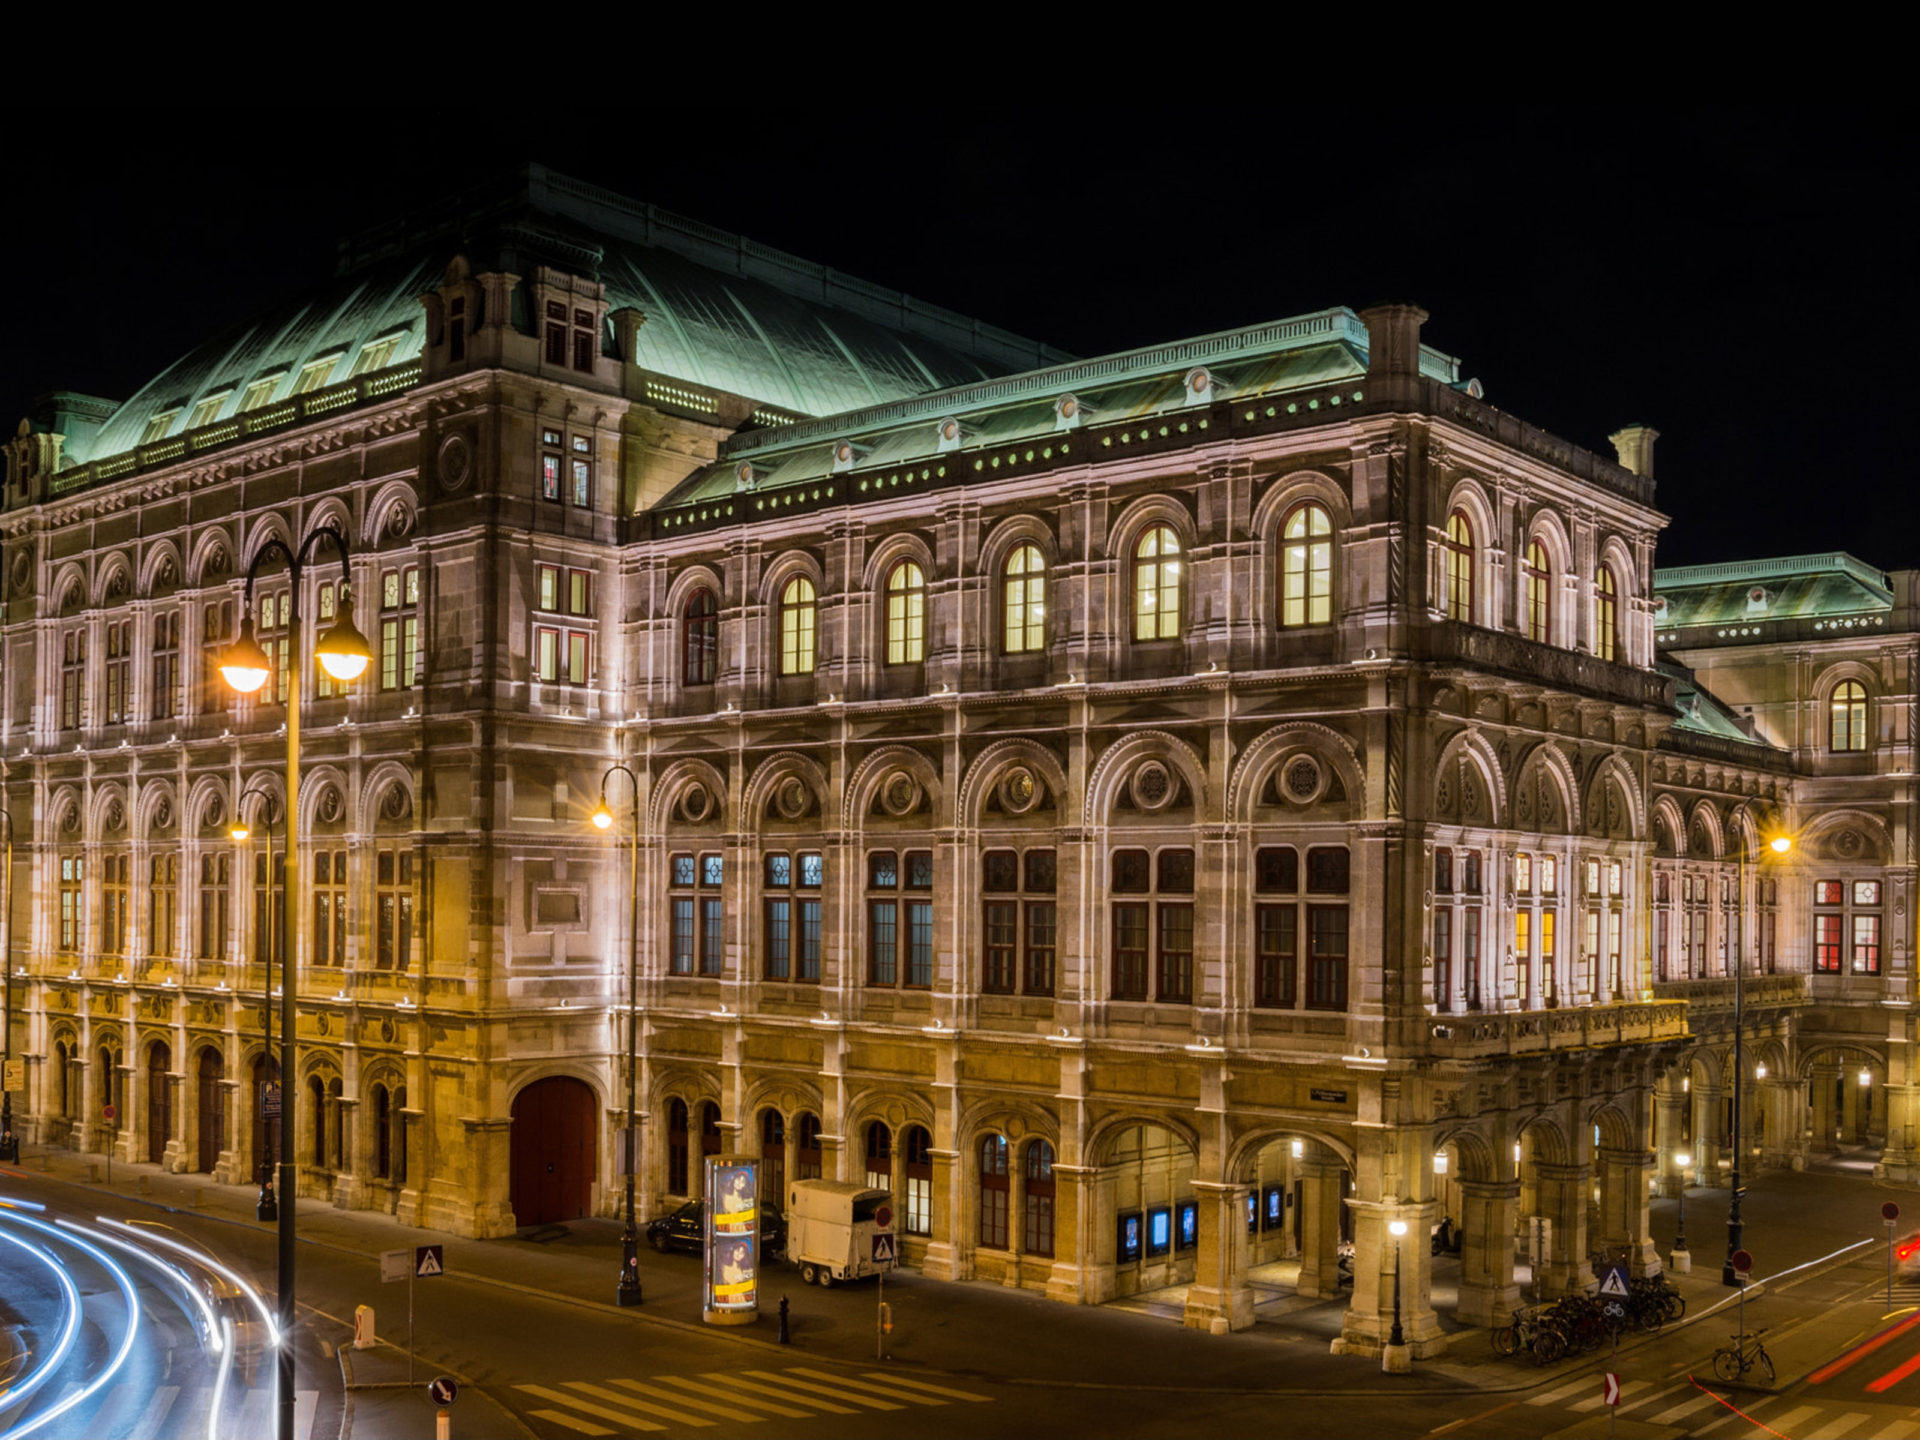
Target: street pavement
[[528, 1328]]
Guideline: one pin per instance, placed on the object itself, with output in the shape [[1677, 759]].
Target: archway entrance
[[211, 1110], [554, 1151], [159, 1103], [1297, 1222], [1145, 1239]]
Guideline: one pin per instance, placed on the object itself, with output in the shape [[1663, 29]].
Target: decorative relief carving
[[696, 803], [1019, 791], [455, 463], [1153, 786]]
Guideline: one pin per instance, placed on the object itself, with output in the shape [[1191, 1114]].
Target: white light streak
[[200, 1257], [96, 1382], [165, 1267]]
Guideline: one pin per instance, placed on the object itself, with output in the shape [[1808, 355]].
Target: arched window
[[1606, 614], [1456, 554], [317, 1104], [1539, 578], [1849, 717], [382, 1132], [1156, 584], [398, 1147], [799, 613], [919, 1168], [1306, 567], [993, 1192], [906, 614], [806, 1148], [879, 1157], [1025, 601], [1036, 1224], [700, 642], [677, 1148]]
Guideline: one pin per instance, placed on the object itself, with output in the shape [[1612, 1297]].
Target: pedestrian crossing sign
[[883, 1249], [428, 1261], [1613, 1282]]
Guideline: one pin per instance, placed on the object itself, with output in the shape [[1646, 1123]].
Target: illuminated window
[[1456, 557], [259, 392], [1539, 578], [1606, 614], [700, 639], [1025, 601], [119, 675], [918, 1148], [580, 472], [1036, 1227], [993, 1192], [1306, 567], [1156, 584], [552, 465], [216, 620], [399, 628], [879, 1157], [906, 614], [799, 610], [1849, 711], [376, 354], [315, 374], [158, 426], [72, 872], [207, 409], [329, 936], [73, 677]]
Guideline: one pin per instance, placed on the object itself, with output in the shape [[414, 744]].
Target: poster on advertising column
[[732, 1291]]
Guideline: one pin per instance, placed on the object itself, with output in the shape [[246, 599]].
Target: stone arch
[[270, 783], [213, 552], [1469, 496], [1245, 1150], [1112, 769], [549, 1069], [69, 582], [207, 805], [898, 1110], [782, 568], [330, 512], [314, 797], [1544, 774], [1478, 1161], [155, 810], [1614, 552], [1849, 1052], [268, 527], [693, 1087], [112, 578], [994, 761], [888, 552], [1102, 1133], [1550, 1145], [1266, 751], [1827, 837], [161, 569], [1612, 771], [1670, 823], [1470, 747], [1005, 534], [681, 587], [1010, 1115], [107, 801], [761, 785], [396, 498], [672, 783], [1617, 1130], [67, 811], [374, 789], [1124, 529], [1286, 491], [1546, 526], [788, 1094], [1705, 817], [868, 775]]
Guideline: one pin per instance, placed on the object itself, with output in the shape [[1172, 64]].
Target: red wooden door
[[212, 1110], [554, 1151], [159, 1104]]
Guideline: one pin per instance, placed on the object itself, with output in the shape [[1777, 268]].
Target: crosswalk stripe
[[1844, 1425], [734, 1398], [923, 1385], [689, 1402], [572, 1422], [619, 1417], [256, 1412], [863, 1386], [780, 1392], [1685, 1407], [840, 1394], [1793, 1418], [1900, 1430], [306, 1403], [600, 1392], [1558, 1393], [155, 1414]]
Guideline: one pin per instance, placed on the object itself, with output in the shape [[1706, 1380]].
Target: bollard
[[363, 1327], [443, 1424], [786, 1337]]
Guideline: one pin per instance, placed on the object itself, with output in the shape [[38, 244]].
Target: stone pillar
[[1377, 1255], [1825, 1120], [1066, 1281], [1670, 1109], [949, 1249], [1488, 1211], [1563, 1199], [1219, 1299], [1016, 1210], [1784, 1102], [1900, 1158], [1322, 1191], [1626, 1208]]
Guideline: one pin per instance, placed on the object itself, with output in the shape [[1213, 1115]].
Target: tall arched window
[[1849, 716], [919, 1168], [906, 614], [799, 614], [806, 1149], [382, 1133], [1539, 577], [1025, 601], [993, 1192], [879, 1157], [1156, 584], [700, 642], [1456, 554], [677, 1148], [317, 1105], [1306, 567], [1606, 614], [1036, 1222]]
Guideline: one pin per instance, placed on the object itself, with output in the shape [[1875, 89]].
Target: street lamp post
[[628, 1290], [9, 1142], [1680, 1231], [1780, 844], [344, 654], [1399, 1230], [268, 1208]]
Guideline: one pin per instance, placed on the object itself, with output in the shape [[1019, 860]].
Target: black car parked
[[685, 1230]]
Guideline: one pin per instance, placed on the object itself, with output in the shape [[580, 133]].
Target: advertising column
[[732, 1291]]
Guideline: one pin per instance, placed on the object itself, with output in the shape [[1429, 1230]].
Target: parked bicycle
[[1538, 1331], [1732, 1362]]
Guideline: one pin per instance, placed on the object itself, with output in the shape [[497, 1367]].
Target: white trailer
[[837, 1231]]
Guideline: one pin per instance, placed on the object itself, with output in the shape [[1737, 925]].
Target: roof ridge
[[1720, 572]]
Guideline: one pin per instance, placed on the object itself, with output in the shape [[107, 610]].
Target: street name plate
[[270, 1102], [395, 1265], [1328, 1097]]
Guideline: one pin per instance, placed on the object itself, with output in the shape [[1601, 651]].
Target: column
[[1626, 1207], [1322, 1192], [1377, 1255], [949, 1249], [1488, 1213], [1219, 1299], [1016, 1210], [1825, 1117], [1066, 1281], [1670, 1111], [1785, 1105], [1563, 1199]]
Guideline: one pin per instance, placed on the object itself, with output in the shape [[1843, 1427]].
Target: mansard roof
[[1255, 363], [721, 311], [1755, 600]]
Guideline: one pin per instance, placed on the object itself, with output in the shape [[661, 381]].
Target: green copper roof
[[1702, 713], [1749, 593]]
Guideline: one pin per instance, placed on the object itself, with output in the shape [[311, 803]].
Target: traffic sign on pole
[[1613, 1282], [108, 1113], [1609, 1389], [443, 1390], [429, 1261], [1742, 1262], [395, 1265], [1889, 1212]]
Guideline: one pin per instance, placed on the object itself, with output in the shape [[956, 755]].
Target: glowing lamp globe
[[1781, 844], [343, 651], [602, 817], [239, 833], [245, 665]]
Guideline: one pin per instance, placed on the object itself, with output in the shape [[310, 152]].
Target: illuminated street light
[[268, 1207], [1779, 845], [627, 1292]]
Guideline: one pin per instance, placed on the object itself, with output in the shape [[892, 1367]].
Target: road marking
[[156, 1412], [778, 1392], [617, 1416], [847, 1395], [861, 1386], [1686, 1407], [572, 1422], [692, 1404], [305, 1404], [1900, 1430], [732, 1398], [1794, 1417], [923, 1385], [1453, 1425], [1559, 1392], [256, 1413], [1894, 1376], [600, 1392]]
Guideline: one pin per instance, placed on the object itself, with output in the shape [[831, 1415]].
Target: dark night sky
[[1742, 280]]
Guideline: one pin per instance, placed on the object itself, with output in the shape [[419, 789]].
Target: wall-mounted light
[[1759, 1072], [1439, 1162], [1866, 1078], [1299, 1148]]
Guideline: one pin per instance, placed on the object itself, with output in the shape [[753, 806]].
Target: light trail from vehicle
[[99, 1380], [165, 1267], [220, 1383], [71, 1293], [200, 1257]]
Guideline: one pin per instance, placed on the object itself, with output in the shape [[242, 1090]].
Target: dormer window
[[260, 392], [208, 409], [315, 374], [377, 354], [158, 426]]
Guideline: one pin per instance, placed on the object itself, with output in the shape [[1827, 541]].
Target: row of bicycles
[[1576, 1324]]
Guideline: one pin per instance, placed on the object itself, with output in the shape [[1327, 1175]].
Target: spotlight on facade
[[1439, 1162]]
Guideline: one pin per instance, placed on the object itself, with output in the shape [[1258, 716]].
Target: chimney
[[1635, 447], [627, 321], [1393, 339]]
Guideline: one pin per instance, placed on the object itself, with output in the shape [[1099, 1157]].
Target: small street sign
[[107, 1113], [395, 1265], [1742, 1263], [1609, 1389], [428, 1261], [1613, 1282], [1889, 1212], [270, 1102], [16, 1078], [883, 1249], [443, 1390], [883, 1217]]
